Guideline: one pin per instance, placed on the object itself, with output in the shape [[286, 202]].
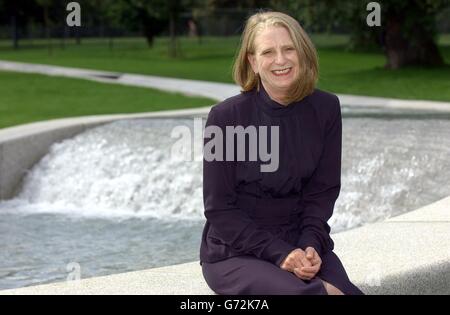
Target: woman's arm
[[322, 190], [230, 223]]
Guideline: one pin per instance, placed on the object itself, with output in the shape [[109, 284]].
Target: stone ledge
[[408, 254], [397, 256]]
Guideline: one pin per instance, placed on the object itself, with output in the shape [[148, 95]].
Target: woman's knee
[[331, 289]]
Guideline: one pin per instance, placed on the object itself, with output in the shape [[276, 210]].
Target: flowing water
[[118, 197]]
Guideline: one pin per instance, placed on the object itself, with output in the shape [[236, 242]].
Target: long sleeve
[[230, 224], [322, 189]]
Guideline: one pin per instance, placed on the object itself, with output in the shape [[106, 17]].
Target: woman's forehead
[[272, 36]]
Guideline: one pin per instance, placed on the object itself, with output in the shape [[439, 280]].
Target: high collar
[[273, 108]]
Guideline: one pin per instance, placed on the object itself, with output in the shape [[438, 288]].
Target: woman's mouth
[[282, 72]]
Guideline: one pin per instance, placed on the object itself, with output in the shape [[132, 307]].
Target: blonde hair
[[243, 74]]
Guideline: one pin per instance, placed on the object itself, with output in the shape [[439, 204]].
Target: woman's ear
[[251, 60]]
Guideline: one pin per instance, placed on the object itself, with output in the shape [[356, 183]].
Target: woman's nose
[[280, 57]]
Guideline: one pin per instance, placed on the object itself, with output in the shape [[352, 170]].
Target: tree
[[105, 14], [407, 32], [45, 4], [149, 16], [16, 13], [153, 17]]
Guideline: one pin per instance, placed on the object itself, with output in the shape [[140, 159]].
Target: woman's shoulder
[[324, 98], [233, 105], [326, 105]]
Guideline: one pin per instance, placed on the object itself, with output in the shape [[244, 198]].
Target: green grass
[[341, 71], [28, 98], [210, 61], [364, 74]]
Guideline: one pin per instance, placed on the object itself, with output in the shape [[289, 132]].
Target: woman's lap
[[249, 275]]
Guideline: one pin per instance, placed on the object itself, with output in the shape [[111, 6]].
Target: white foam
[[124, 169], [118, 170]]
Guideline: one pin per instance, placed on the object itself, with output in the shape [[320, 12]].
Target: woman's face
[[274, 50]]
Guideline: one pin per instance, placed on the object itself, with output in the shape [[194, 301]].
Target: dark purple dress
[[254, 218]]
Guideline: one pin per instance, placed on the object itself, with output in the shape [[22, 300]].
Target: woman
[[266, 231]]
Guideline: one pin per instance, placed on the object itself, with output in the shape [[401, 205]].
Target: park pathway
[[214, 90]]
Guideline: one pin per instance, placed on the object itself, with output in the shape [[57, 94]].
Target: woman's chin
[[283, 85], [282, 82]]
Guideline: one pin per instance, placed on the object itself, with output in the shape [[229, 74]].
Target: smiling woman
[[278, 65], [267, 232], [282, 57]]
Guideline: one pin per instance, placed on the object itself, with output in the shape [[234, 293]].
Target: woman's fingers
[[310, 272], [316, 261], [303, 267], [307, 272], [291, 264], [303, 275], [305, 262], [313, 256], [307, 265], [312, 269], [293, 260], [310, 252], [287, 267]]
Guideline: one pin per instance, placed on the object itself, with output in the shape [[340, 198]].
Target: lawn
[[28, 97], [341, 71], [31, 97]]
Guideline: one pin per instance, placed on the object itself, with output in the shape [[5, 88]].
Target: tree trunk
[[111, 43], [14, 32], [148, 31], [78, 35], [418, 49], [148, 26], [47, 31], [64, 36], [172, 42]]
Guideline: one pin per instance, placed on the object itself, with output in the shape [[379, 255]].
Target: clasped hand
[[305, 264]]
